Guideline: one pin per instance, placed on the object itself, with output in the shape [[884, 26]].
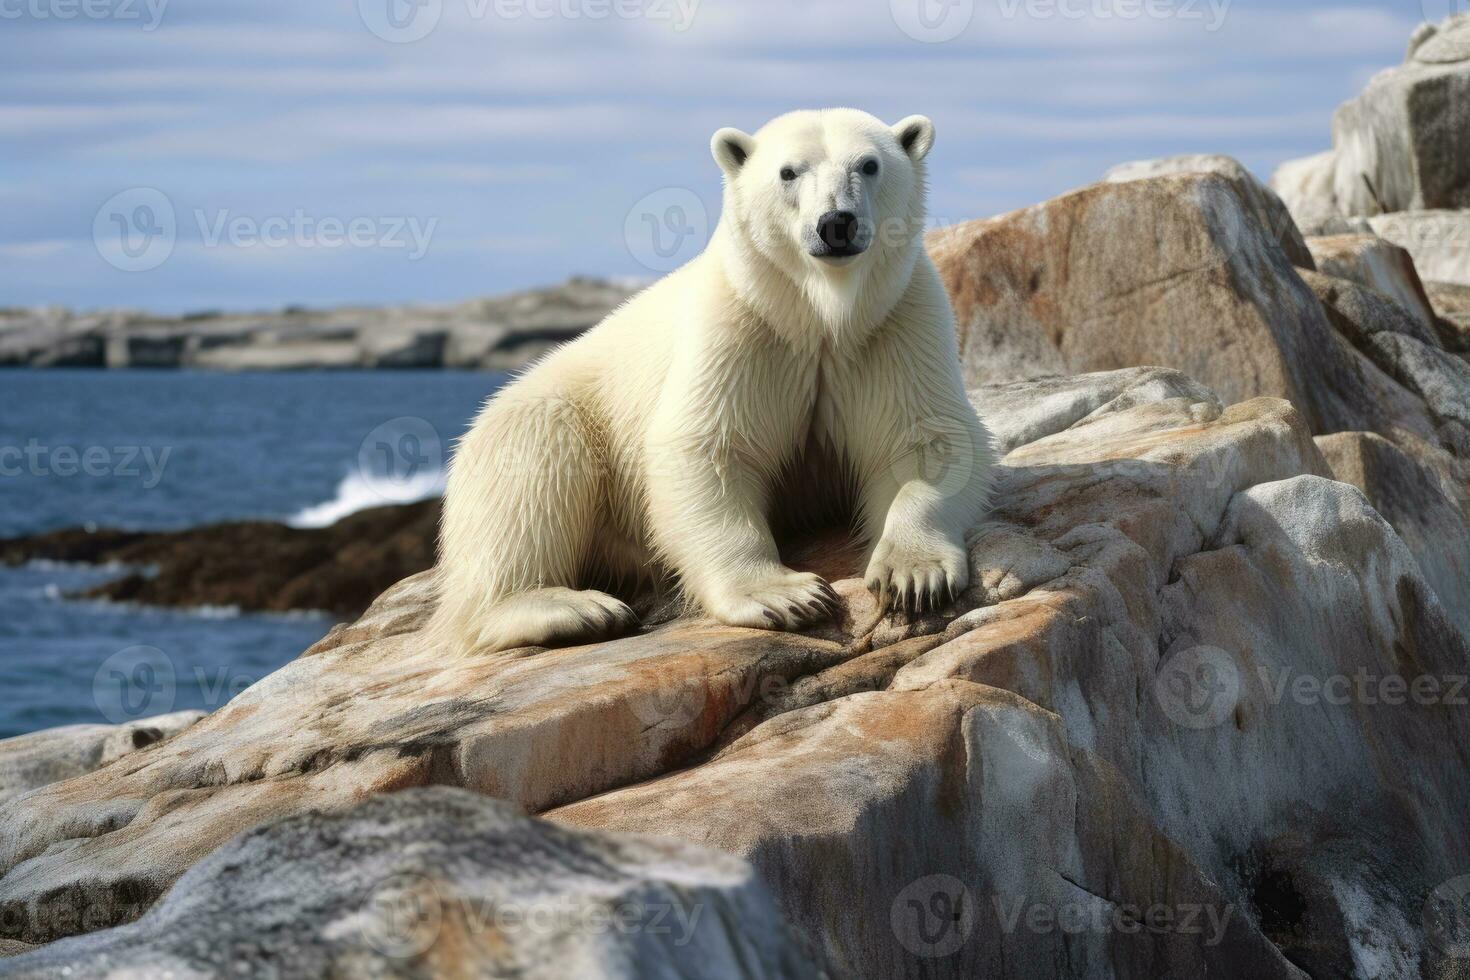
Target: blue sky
[[313, 152]]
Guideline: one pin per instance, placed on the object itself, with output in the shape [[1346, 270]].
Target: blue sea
[[169, 449]]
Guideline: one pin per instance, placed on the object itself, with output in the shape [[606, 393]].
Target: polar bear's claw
[[914, 580]]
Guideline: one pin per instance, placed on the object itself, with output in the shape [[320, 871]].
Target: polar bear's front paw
[[917, 578], [784, 600]]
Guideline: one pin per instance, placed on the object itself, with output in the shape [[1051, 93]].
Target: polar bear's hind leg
[[522, 510]]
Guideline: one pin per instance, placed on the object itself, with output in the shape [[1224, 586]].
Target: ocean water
[[170, 449]]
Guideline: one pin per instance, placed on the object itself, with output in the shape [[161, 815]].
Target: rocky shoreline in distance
[[497, 333]]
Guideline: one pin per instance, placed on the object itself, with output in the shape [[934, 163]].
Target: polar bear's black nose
[[838, 230]]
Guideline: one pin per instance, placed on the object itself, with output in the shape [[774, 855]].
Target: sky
[[190, 155]]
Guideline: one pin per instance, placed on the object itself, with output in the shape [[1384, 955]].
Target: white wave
[[213, 612], [53, 565], [359, 491]]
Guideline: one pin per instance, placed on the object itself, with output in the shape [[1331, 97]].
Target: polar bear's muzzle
[[840, 235]]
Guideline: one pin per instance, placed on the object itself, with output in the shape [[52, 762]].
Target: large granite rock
[[1400, 163], [1265, 205], [1123, 752], [1401, 145], [1168, 270], [42, 758], [498, 333], [438, 883]]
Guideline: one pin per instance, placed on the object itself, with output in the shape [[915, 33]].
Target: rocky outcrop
[[499, 333], [440, 882], [1399, 145], [257, 566], [42, 758], [1179, 270], [1122, 751], [1400, 163]]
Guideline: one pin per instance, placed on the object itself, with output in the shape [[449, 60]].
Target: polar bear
[[808, 353]]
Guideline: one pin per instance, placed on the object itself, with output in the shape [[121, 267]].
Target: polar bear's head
[[826, 187], [824, 210]]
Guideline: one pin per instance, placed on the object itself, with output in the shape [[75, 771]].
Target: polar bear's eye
[[788, 174], [871, 168]]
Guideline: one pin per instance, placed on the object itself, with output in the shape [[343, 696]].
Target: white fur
[[657, 442]]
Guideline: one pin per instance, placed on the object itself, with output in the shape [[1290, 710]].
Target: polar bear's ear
[[731, 149], [916, 135]]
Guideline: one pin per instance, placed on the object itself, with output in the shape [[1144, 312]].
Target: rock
[[1378, 264], [1027, 411], [1452, 303], [1174, 271], [1268, 209], [1442, 380], [1401, 144], [1005, 789], [420, 351], [42, 758], [1409, 353], [258, 566], [1305, 188], [77, 351], [1439, 241], [274, 355], [1405, 348], [1413, 498], [1359, 312], [145, 350], [440, 882], [1441, 44]]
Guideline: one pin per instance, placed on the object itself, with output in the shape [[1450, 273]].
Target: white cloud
[[33, 250]]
